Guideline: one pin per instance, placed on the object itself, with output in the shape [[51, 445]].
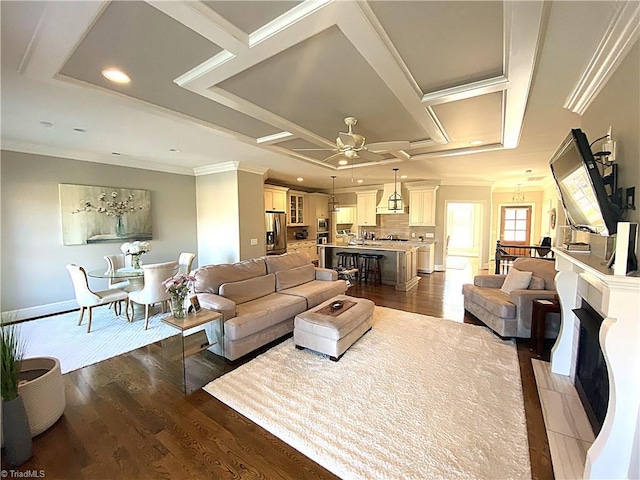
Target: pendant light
[[518, 196], [396, 204], [333, 203]]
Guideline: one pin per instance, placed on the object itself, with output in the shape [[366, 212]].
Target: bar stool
[[370, 266], [348, 261]]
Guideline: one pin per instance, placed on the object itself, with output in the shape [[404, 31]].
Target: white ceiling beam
[[524, 23], [361, 27], [469, 90], [458, 151], [204, 21], [61, 28], [621, 34]]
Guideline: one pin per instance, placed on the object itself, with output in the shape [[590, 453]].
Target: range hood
[[383, 206]]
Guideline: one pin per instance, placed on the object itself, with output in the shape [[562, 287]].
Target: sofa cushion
[[295, 276], [210, 277], [544, 269], [516, 280], [536, 283], [286, 261], [246, 290], [257, 315], [492, 300], [317, 291]]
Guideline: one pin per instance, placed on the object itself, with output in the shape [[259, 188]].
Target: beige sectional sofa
[[260, 297]]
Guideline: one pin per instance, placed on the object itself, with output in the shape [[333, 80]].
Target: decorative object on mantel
[[92, 214], [396, 203], [135, 249], [15, 424], [518, 196], [178, 287], [333, 203]]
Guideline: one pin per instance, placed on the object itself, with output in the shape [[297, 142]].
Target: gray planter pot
[[17, 436]]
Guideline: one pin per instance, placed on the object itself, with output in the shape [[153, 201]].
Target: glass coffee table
[[203, 330]]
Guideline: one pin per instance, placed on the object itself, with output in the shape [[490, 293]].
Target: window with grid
[[515, 226]]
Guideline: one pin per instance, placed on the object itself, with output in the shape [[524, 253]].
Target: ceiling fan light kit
[[395, 203]]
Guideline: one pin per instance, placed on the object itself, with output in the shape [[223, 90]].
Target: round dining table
[[134, 275]]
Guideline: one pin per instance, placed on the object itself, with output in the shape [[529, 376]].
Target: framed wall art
[[92, 214]]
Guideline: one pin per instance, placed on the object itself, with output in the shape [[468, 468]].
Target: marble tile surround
[[568, 428]]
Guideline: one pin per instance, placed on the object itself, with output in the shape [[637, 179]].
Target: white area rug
[[61, 337], [457, 263], [416, 397]]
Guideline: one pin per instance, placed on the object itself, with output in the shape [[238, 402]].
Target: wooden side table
[[538, 322], [197, 332]]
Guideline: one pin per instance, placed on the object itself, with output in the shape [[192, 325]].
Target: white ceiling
[[212, 78]]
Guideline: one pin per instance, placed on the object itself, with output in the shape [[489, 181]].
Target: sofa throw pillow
[[516, 280], [295, 276], [247, 290]]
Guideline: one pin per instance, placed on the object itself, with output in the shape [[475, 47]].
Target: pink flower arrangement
[[178, 286]]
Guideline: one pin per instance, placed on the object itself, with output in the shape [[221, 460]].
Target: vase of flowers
[[112, 206], [178, 288], [136, 250]]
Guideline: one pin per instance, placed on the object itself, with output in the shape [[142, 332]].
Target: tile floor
[[568, 428]]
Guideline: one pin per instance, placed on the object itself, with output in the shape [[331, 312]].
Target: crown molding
[[620, 36], [233, 166], [87, 156]]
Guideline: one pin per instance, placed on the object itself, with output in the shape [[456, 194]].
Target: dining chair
[[87, 299], [154, 291], [185, 260], [114, 262]]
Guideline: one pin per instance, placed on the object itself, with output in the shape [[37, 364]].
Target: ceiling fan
[[348, 144]]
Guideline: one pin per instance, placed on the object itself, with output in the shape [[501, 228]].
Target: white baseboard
[[39, 311]]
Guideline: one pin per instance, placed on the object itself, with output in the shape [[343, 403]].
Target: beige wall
[[34, 278], [230, 215], [618, 106]]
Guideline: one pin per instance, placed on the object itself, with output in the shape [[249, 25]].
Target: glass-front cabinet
[[296, 210]]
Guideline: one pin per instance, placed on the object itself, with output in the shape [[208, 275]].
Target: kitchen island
[[399, 262]]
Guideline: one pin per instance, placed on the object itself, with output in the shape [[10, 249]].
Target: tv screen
[[581, 187]]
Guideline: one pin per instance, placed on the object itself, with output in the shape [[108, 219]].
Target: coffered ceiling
[[476, 89]]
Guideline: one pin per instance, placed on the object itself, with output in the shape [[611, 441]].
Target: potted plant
[[15, 425]]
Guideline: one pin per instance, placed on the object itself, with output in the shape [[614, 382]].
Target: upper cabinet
[[422, 204], [318, 205], [346, 216], [275, 198], [297, 209], [366, 208]]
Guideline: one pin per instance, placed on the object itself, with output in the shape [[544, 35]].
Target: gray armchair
[[509, 315]]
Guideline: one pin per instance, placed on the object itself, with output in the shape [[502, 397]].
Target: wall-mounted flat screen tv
[[581, 187]]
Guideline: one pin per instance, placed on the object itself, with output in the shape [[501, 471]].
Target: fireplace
[[591, 379]]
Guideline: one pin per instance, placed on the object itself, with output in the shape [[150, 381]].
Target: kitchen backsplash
[[397, 225]]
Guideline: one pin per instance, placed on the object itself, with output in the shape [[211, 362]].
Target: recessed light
[[175, 150], [116, 154], [300, 179], [80, 130], [343, 162], [528, 171], [476, 142], [115, 75], [404, 176], [360, 180], [46, 124]]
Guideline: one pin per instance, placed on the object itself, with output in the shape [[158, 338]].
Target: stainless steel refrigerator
[[275, 225]]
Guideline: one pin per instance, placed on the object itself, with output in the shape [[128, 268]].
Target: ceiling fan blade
[[336, 155], [313, 149], [383, 147]]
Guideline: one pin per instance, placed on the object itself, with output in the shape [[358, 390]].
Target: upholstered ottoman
[[333, 332]]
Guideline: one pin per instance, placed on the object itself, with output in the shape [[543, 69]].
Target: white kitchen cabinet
[[318, 206], [422, 205], [346, 215], [366, 208], [426, 260], [275, 198], [297, 209]]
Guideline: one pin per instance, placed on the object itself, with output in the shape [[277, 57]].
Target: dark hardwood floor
[[127, 417]]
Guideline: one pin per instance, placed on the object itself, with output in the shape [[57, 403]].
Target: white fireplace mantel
[[614, 453]]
